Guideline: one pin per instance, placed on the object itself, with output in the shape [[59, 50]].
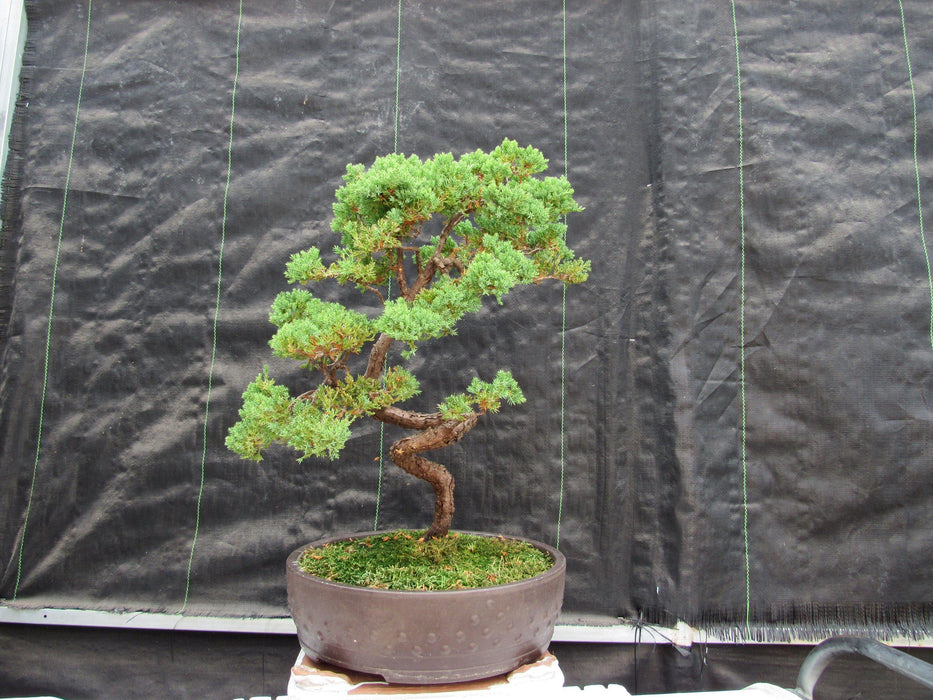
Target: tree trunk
[[406, 453]]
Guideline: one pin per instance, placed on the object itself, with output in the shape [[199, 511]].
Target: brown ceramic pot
[[425, 637]]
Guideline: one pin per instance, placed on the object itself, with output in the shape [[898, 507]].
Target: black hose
[[896, 660]]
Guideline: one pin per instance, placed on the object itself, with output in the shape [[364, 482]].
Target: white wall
[[12, 39]]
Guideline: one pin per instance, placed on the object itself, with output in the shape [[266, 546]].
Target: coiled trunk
[[407, 455]]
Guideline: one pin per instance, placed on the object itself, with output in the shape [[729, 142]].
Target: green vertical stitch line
[[563, 302], [560, 500], [48, 333], [382, 426], [398, 69], [382, 433], [913, 99], [220, 262], [382, 452], [563, 41], [738, 82]]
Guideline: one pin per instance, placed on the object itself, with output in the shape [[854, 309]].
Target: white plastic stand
[[540, 680], [310, 680]]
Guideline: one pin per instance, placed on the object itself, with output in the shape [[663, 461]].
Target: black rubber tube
[[894, 659]]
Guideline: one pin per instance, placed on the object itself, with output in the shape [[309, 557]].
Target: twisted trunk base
[[406, 453]]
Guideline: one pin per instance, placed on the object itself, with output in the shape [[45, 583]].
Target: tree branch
[[448, 228], [309, 395], [410, 420], [377, 356], [400, 273], [426, 274], [452, 261], [375, 289]]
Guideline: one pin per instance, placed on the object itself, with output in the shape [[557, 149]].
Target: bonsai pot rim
[[557, 568]]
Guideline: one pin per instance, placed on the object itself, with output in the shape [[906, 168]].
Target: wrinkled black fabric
[[745, 423]]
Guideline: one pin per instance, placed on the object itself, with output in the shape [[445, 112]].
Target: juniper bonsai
[[442, 233]]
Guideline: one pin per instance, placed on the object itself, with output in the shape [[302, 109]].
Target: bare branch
[[377, 356], [400, 273], [330, 375], [308, 395], [445, 234], [378, 293], [426, 274], [410, 420], [452, 261]]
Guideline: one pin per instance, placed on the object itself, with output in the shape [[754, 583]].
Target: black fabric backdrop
[[745, 375], [160, 664]]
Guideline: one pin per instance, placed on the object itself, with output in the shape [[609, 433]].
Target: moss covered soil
[[402, 560]]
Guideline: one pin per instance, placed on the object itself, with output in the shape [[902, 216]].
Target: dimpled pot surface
[[425, 637]]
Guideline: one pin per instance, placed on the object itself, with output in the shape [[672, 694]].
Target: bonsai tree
[[430, 239]]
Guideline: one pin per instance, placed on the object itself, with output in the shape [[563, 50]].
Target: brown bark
[[377, 356], [406, 453], [410, 420]]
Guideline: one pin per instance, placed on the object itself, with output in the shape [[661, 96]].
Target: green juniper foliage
[[445, 233]]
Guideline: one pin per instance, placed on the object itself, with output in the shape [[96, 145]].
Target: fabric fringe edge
[[808, 622]]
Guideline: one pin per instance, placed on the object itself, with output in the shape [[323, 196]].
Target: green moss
[[400, 560]]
